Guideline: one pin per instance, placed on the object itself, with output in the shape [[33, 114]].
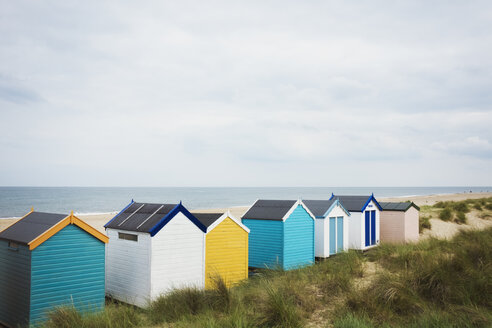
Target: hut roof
[[266, 209], [207, 219], [398, 206], [211, 220], [356, 203], [36, 227], [319, 208], [149, 217]]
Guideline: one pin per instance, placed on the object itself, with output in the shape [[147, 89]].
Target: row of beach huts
[[49, 260]]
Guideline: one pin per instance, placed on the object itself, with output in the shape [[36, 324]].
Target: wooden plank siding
[[67, 269], [226, 249], [265, 243], [298, 239], [15, 279], [128, 268]]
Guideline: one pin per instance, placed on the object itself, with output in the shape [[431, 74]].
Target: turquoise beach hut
[[281, 234], [49, 260]]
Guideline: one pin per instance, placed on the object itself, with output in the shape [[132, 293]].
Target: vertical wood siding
[[67, 269], [298, 239], [15, 279], [128, 268], [177, 258], [321, 238], [265, 243], [226, 253]]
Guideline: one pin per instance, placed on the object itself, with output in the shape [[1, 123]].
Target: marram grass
[[433, 283]]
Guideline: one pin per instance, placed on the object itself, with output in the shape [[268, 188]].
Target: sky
[[245, 93]]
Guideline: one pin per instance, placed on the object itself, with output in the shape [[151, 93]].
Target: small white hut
[[399, 222], [152, 249], [363, 221], [331, 234]]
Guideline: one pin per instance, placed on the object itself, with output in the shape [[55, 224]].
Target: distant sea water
[[17, 201]]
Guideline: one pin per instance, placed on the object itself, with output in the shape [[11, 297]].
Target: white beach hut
[[363, 221], [331, 234], [399, 222], [152, 249]]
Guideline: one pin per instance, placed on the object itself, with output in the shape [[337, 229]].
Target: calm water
[[16, 201]]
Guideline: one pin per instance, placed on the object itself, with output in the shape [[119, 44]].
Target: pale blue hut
[[49, 260], [281, 234]]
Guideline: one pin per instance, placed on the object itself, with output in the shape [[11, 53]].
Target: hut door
[[373, 227], [367, 227], [333, 236], [340, 234]]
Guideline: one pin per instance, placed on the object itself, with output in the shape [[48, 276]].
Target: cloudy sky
[[250, 93]]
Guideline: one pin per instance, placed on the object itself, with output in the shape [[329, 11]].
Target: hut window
[[13, 246], [127, 236]]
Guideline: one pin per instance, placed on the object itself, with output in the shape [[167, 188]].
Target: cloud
[[222, 93]]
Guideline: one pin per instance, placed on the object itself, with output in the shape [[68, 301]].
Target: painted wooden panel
[[226, 250], [67, 269], [128, 268], [321, 232], [373, 227], [15, 279], [298, 239], [177, 257], [367, 228], [339, 234], [265, 243], [333, 236], [411, 224]]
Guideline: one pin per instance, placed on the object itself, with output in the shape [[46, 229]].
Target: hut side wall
[[298, 239], [67, 269], [178, 256], [321, 237], [392, 226], [265, 243], [226, 253], [15, 280], [412, 224], [355, 230], [128, 268]]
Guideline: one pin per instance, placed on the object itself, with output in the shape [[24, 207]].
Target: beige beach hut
[[399, 222]]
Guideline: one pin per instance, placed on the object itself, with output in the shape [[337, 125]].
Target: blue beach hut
[[49, 260], [281, 234]]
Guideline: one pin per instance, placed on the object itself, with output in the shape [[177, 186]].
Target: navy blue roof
[[149, 217]]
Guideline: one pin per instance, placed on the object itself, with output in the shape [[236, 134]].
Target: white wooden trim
[[225, 216]]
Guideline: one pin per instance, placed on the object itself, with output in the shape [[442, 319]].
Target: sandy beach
[[440, 229]]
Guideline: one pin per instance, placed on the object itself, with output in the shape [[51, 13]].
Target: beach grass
[[432, 283]]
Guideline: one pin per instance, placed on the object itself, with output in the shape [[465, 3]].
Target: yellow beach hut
[[226, 248]]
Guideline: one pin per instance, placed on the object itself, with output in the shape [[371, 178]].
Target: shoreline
[[98, 220]]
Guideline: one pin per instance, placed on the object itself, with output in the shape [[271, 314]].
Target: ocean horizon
[[17, 201]]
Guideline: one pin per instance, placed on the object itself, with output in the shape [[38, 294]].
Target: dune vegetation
[[434, 283]]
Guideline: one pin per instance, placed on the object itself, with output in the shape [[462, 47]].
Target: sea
[[17, 201]]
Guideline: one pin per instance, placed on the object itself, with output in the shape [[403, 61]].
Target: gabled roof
[[267, 209], [211, 220], [356, 203], [398, 206], [321, 208], [36, 227], [149, 217], [276, 210]]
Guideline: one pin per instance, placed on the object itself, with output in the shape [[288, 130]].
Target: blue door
[[333, 236], [367, 225], [373, 227], [340, 234]]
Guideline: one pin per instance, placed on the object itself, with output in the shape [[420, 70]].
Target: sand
[[440, 229]]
